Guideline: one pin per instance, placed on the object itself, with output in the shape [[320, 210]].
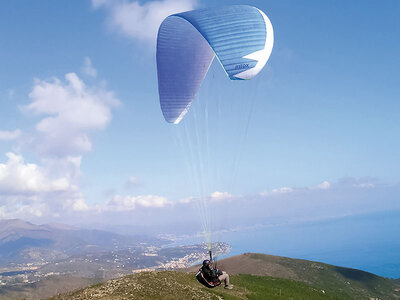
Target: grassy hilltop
[[255, 276], [178, 285]]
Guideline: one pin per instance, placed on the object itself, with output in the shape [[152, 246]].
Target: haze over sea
[[355, 242]]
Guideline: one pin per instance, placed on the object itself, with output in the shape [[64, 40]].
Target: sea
[[368, 242]]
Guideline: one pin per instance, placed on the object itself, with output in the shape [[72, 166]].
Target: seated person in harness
[[213, 276]]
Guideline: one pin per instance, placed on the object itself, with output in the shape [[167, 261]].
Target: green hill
[[292, 279], [178, 285], [343, 282]]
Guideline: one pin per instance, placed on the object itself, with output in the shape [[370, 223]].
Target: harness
[[210, 284], [202, 279]]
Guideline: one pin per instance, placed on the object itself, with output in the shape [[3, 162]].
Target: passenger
[[214, 275]]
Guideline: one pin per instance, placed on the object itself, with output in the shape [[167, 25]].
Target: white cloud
[[16, 177], [221, 196], [123, 203], [281, 206], [324, 185], [32, 190], [71, 110], [141, 21], [88, 68], [79, 205], [9, 135]]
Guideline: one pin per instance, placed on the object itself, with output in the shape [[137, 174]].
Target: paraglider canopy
[[240, 36]]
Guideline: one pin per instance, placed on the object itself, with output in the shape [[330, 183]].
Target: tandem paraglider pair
[[240, 36], [211, 277]]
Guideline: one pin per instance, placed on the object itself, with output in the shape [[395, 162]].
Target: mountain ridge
[[27, 241]]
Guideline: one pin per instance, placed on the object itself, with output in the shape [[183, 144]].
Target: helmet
[[206, 262]]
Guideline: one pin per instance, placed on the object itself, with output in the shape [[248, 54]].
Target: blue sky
[[324, 123]]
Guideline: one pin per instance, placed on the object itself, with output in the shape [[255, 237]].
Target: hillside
[[341, 281], [178, 285], [292, 279]]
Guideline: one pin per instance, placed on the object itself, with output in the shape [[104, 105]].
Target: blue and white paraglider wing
[[240, 36]]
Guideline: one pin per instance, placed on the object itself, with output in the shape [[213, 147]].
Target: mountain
[[293, 279], [23, 242]]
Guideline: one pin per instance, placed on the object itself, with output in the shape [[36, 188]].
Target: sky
[[312, 138]]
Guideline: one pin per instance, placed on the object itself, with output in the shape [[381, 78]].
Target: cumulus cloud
[[278, 206], [221, 196], [323, 185], [16, 177], [88, 68], [68, 111], [71, 111], [286, 206], [30, 189], [123, 203], [9, 135], [79, 205], [141, 21]]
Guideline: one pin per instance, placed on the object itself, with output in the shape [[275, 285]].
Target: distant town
[[110, 264]]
